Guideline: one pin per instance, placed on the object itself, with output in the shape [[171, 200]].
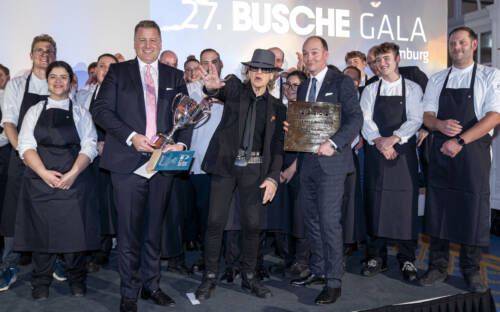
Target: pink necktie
[[150, 104]]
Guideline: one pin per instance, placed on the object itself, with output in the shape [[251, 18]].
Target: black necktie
[[247, 142]]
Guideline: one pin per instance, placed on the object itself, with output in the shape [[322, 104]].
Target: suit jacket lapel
[[136, 78], [269, 120], [324, 86]]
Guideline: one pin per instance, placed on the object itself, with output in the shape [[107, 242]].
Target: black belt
[[255, 157]]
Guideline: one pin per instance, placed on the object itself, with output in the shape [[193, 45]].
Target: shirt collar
[[142, 65], [321, 75], [58, 103], [458, 71]]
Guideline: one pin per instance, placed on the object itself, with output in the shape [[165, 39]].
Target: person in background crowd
[[5, 148], [358, 60], [462, 106], [57, 141], [353, 212], [191, 73], [107, 209], [91, 71], [21, 93], [277, 91], [169, 58]]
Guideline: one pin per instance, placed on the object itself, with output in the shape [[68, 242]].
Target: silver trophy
[[186, 112]]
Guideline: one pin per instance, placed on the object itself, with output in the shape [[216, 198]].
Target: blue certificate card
[[174, 161]]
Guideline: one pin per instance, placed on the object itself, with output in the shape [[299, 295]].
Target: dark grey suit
[[322, 179]]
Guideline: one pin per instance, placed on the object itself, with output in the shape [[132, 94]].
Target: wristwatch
[[460, 141]]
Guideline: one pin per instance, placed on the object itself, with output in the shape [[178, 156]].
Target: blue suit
[[322, 179]]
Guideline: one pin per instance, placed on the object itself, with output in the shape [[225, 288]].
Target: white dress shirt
[[276, 90], [414, 108], [3, 138], [84, 96], [14, 93], [202, 135], [486, 88], [319, 82], [83, 122]]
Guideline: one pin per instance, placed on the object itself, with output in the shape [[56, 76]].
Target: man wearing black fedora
[[245, 152]]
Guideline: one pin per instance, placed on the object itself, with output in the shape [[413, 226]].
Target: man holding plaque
[[245, 152], [324, 171], [133, 105]]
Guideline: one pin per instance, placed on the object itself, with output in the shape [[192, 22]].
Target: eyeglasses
[[41, 52], [264, 70], [292, 86]]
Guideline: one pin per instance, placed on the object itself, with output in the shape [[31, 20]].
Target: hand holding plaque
[[186, 112], [310, 124]]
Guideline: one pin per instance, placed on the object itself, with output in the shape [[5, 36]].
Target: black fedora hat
[[262, 59]]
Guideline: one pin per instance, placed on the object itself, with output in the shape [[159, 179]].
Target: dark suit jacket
[[223, 148], [120, 109], [340, 89]]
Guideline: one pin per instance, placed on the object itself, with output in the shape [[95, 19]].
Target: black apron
[[16, 168], [55, 220], [392, 185], [458, 192], [107, 209]]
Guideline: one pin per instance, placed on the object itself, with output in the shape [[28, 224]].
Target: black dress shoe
[[40, 292], [208, 284], [311, 279], [128, 304], [198, 266], [431, 277], [328, 295], [158, 296], [251, 283], [475, 282], [374, 266], [78, 289]]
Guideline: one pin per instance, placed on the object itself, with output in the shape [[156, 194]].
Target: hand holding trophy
[[186, 112]]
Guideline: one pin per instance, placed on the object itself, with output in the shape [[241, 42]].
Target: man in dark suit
[[323, 173], [133, 105], [245, 152]]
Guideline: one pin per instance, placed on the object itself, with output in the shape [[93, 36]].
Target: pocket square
[[169, 89], [329, 93]]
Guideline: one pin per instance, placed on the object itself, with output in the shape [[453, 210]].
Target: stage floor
[[358, 293]]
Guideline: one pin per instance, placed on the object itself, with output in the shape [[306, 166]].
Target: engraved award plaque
[[310, 124]]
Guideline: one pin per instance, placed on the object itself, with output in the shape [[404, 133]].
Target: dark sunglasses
[[264, 70]]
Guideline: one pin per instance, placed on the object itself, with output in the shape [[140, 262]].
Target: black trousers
[[43, 267], [439, 256], [406, 248], [141, 206], [232, 250], [247, 180]]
